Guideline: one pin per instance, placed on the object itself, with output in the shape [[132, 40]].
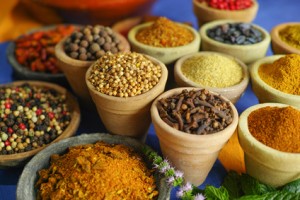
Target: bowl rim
[[212, 24], [243, 130], [178, 71], [163, 78], [181, 134], [134, 30], [255, 76], [276, 38], [205, 6], [70, 129]]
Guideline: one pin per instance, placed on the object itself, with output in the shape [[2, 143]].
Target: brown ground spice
[[276, 127], [165, 33], [97, 171]]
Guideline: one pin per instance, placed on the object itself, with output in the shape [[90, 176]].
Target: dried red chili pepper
[[229, 4], [36, 50]]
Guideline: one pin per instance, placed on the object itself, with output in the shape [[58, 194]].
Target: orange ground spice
[[276, 127], [165, 33], [97, 171]]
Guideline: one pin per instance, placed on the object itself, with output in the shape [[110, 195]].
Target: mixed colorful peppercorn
[[30, 117], [229, 4], [36, 50]]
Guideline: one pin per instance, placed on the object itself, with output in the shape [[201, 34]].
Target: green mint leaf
[[293, 186], [212, 193], [232, 183], [252, 186], [277, 195]]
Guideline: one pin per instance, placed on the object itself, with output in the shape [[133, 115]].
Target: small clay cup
[[128, 116], [194, 155], [75, 70]]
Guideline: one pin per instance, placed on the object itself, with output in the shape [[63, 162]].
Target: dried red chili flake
[[229, 4], [36, 50]]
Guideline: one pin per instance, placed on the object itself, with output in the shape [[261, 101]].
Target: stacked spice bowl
[[34, 114], [214, 71], [246, 41], [276, 79], [269, 136]]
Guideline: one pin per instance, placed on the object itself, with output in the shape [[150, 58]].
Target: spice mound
[[212, 70], [124, 74], [165, 33], [31, 117], [291, 35], [35, 51], [283, 74], [196, 112], [235, 33], [229, 5], [92, 42], [97, 171], [276, 127]]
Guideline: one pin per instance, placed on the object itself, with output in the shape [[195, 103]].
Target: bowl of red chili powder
[[269, 135]]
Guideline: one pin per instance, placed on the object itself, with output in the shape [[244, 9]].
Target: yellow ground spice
[[291, 35], [283, 74], [97, 171], [165, 33], [212, 70], [276, 127]]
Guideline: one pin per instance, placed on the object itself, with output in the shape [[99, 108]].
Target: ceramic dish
[[29, 176]]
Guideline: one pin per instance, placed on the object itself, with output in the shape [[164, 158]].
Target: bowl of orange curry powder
[[92, 166]]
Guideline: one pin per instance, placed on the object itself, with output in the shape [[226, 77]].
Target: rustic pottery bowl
[[264, 92], [75, 70], [246, 53], [205, 13], [167, 55], [20, 159], [26, 184], [278, 45], [233, 93], [264, 163], [128, 116], [193, 154], [105, 12]]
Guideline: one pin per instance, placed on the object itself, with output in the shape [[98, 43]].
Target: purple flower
[[170, 180], [179, 193], [187, 187], [155, 166], [163, 169], [178, 174], [199, 197]]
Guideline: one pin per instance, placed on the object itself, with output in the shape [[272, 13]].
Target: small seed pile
[[90, 43], [30, 117], [124, 74], [196, 112], [235, 33]]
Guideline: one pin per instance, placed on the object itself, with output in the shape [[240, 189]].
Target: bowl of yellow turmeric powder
[[285, 38], [269, 135], [277, 79]]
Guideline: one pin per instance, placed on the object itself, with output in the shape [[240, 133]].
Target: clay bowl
[[205, 14], [29, 176], [194, 155], [20, 159], [245, 53], [233, 93], [264, 92], [128, 116], [278, 45], [264, 163], [75, 70], [167, 55], [23, 73]]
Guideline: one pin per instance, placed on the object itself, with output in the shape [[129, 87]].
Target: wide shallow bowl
[[246, 53], [26, 184], [233, 93], [266, 93], [205, 13], [19, 159], [264, 163], [278, 45], [167, 55], [193, 154], [105, 12]]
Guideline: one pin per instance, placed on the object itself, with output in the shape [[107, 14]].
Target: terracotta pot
[[75, 70], [194, 155], [127, 116]]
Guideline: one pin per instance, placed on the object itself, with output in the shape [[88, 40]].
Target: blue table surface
[[269, 15]]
